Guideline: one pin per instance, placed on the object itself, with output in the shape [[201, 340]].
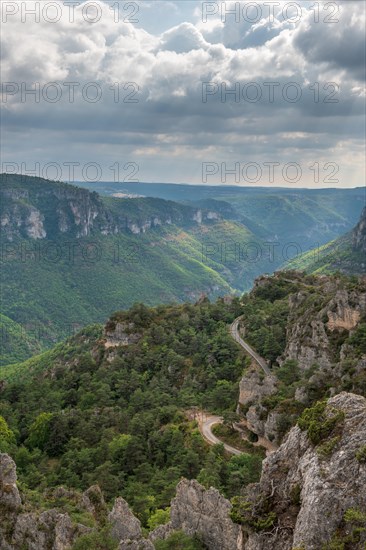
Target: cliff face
[[310, 329], [33, 208], [316, 491], [359, 234]]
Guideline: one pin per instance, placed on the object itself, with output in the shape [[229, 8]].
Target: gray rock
[[93, 501], [202, 512], [124, 524], [49, 530], [161, 532], [9, 494], [327, 487]]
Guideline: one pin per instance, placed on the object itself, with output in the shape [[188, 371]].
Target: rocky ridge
[[41, 209], [321, 317]]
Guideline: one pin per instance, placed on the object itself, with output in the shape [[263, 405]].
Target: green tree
[[39, 431], [7, 437], [158, 517]]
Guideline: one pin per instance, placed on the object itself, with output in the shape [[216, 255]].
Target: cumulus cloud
[[203, 84]]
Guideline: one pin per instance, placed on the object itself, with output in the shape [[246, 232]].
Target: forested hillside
[[346, 254], [95, 411], [309, 217], [69, 257], [115, 405]]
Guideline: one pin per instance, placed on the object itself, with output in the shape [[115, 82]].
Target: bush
[[326, 449], [101, 540], [361, 454], [320, 421], [243, 512], [179, 541]]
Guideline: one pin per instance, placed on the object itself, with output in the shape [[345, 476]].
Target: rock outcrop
[[323, 314], [22, 527], [41, 532], [308, 334], [255, 386], [205, 513], [35, 531], [121, 334], [9, 495], [314, 490], [94, 503], [124, 524]]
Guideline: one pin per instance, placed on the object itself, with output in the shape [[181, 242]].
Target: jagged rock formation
[[310, 488], [253, 387], [93, 502], [21, 528], [322, 314], [198, 511], [9, 494], [124, 524]]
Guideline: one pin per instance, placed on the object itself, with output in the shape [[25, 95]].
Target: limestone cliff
[[359, 234], [315, 491], [34, 208]]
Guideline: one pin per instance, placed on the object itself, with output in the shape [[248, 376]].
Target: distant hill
[[308, 217], [70, 257], [346, 254], [17, 343]]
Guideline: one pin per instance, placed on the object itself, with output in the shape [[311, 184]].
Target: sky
[[245, 93]]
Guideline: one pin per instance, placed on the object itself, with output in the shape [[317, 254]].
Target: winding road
[[234, 331], [207, 421]]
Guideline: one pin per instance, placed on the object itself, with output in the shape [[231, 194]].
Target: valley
[[70, 256], [182, 349], [124, 432]]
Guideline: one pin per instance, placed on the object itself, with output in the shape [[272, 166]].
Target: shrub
[[243, 512], [101, 540], [361, 454], [325, 450], [320, 421], [179, 541]]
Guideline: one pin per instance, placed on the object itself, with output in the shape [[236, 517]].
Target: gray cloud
[[170, 126]]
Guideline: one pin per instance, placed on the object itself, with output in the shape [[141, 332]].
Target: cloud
[[166, 72]]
